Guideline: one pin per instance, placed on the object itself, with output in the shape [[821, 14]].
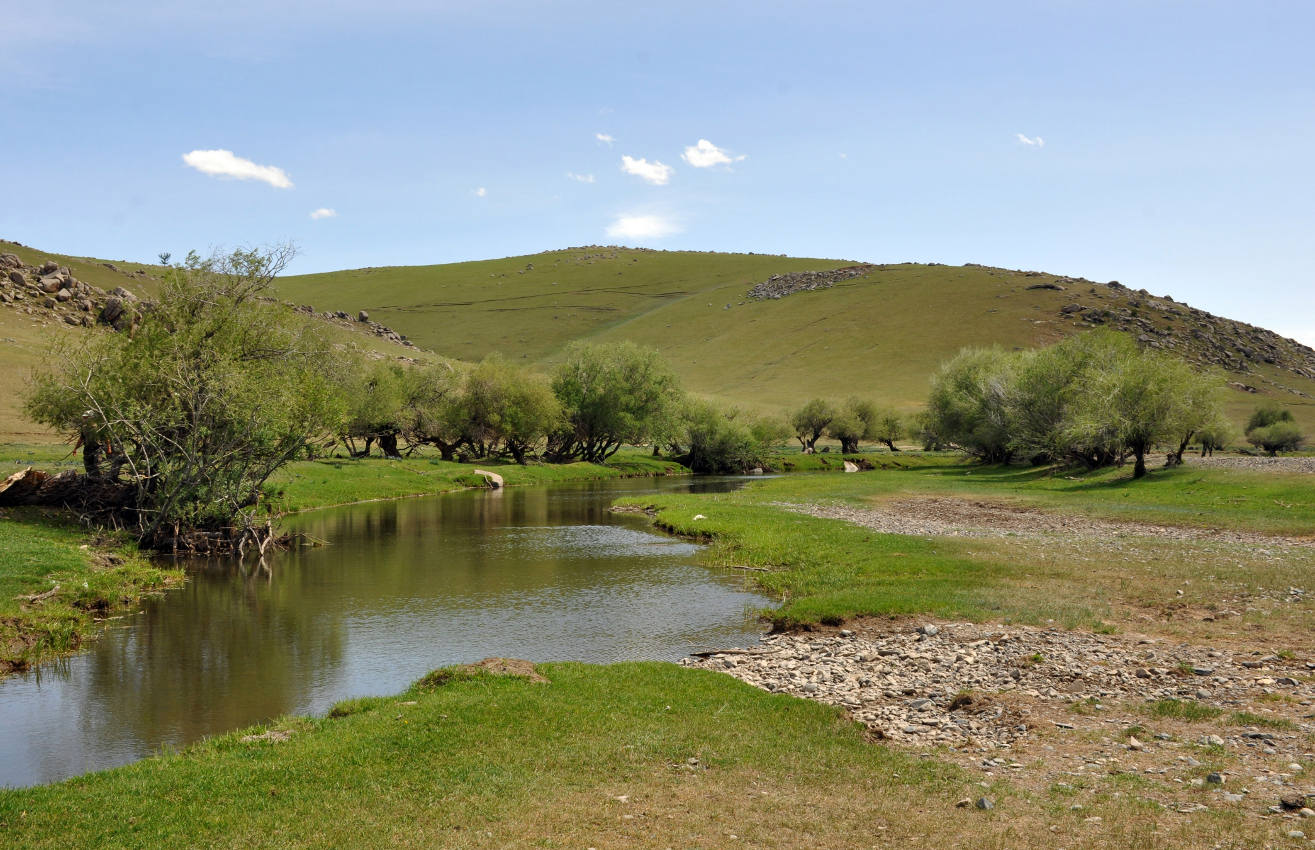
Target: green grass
[[488, 760], [305, 485], [1182, 709], [39, 552], [827, 571], [641, 755], [1270, 502]]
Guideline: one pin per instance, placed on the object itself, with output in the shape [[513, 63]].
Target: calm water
[[404, 587]]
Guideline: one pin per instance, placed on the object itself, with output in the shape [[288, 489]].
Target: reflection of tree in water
[[222, 653]]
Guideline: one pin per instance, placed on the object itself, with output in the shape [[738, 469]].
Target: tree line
[[1095, 399], [182, 420]]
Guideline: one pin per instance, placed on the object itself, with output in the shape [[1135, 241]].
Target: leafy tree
[[721, 441], [1141, 400], [810, 422], [1047, 385], [505, 407], [1274, 429], [213, 392], [611, 394], [967, 407], [887, 428], [1214, 436], [375, 396], [432, 410]]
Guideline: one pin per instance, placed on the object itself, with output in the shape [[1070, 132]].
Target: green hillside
[[879, 331], [880, 334]]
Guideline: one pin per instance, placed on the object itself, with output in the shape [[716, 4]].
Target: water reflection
[[402, 587]]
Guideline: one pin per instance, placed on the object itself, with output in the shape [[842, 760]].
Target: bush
[[1281, 436]]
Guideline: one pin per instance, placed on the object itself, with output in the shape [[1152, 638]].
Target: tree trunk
[[890, 444], [1139, 468], [388, 442], [849, 447]]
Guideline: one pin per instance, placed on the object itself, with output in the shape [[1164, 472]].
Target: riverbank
[[59, 583], [329, 482]]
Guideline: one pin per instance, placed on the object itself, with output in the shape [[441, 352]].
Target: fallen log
[[18, 488]]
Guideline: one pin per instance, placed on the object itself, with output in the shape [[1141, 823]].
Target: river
[[400, 588]]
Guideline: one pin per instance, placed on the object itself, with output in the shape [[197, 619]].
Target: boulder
[[10, 261], [1053, 286], [112, 310], [49, 267], [851, 466], [123, 293], [16, 278], [63, 295], [362, 316], [51, 283]]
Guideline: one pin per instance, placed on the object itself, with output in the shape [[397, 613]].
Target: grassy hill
[[878, 331], [31, 333], [880, 334]]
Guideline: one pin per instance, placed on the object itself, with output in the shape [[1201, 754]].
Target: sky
[[1166, 145]]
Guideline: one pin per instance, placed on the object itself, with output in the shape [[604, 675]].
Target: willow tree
[[213, 391]]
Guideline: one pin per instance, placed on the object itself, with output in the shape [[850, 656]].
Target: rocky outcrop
[[781, 285], [51, 291]]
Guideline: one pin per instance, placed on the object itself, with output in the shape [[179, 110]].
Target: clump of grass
[[360, 705], [1182, 709], [1246, 718]]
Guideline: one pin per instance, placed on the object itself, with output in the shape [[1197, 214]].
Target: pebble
[[985, 803]]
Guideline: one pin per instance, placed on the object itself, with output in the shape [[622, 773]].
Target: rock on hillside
[[51, 291]]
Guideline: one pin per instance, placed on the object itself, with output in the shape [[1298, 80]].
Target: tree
[[1142, 399], [967, 406], [213, 392], [721, 441], [432, 410], [810, 422], [375, 397], [506, 407], [1274, 429], [611, 394]]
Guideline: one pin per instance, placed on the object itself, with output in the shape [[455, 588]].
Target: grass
[[305, 485], [828, 571], [629, 755], [92, 580]]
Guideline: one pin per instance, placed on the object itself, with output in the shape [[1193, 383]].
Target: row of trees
[[1092, 399], [849, 423], [184, 419]]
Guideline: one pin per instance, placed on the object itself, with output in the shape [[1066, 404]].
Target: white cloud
[[1036, 142], [641, 227], [222, 163], [654, 172], [580, 178], [604, 138], [324, 212], [705, 155], [481, 192]]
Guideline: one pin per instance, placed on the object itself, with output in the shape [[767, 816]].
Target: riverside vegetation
[[650, 755]]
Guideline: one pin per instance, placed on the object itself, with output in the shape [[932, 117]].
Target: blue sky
[[1167, 145]]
